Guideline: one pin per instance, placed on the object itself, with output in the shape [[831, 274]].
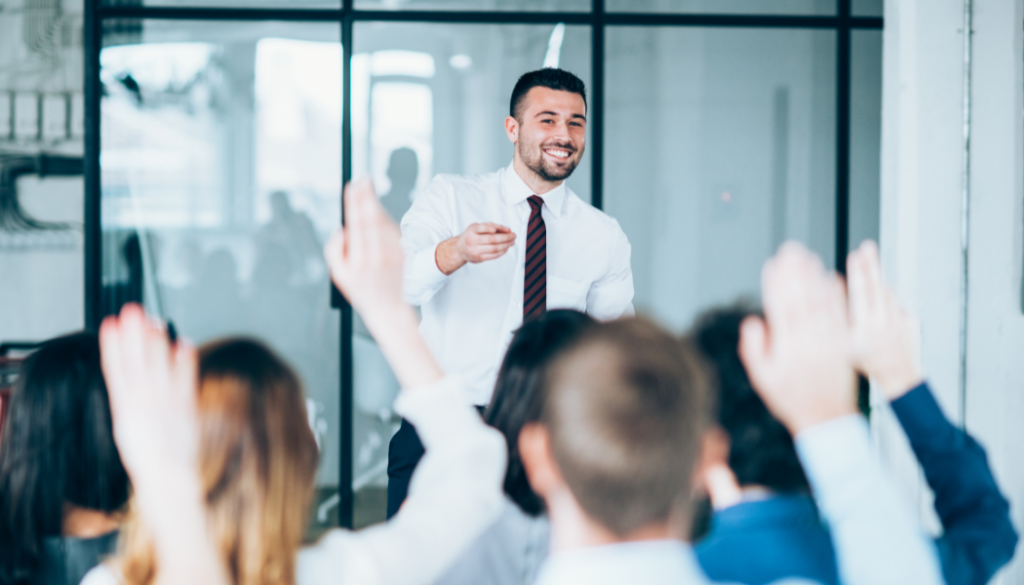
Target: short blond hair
[[626, 410]]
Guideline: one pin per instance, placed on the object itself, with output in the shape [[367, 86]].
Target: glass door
[[220, 166]]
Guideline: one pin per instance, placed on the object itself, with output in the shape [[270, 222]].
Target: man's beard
[[544, 169]]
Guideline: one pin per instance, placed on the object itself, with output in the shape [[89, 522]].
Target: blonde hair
[[258, 465]]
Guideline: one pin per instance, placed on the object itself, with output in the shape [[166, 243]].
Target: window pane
[[510, 5], [720, 145], [429, 99], [865, 135], [221, 174], [868, 7], [815, 7]]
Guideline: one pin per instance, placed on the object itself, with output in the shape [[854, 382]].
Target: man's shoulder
[[584, 211], [457, 185]]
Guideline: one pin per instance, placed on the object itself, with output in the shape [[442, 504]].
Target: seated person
[[625, 424], [62, 486], [763, 507], [219, 493], [511, 550]]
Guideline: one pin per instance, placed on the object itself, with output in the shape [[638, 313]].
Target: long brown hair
[[258, 465]]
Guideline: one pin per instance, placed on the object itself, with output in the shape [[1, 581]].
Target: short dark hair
[[549, 77], [519, 392], [762, 451], [57, 448], [627, 407]]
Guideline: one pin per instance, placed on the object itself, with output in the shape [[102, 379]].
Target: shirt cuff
[[835, 455], [422, 276], [437, 410]]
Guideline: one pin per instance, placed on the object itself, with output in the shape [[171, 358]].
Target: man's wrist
[[447, 256], [896, 384]]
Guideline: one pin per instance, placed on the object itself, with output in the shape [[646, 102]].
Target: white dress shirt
[[455, 494], [469, 316], [877, 540]]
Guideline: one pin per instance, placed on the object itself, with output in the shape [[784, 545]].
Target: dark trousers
[[404, 454]]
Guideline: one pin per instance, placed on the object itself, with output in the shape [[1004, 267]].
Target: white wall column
[[922, 186]]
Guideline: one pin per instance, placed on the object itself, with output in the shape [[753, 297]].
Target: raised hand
[[152, 388], [799, 361], [365, 260], [884, 337], [365, 257]]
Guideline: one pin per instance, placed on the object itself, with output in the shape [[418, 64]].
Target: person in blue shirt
[[763, 509]]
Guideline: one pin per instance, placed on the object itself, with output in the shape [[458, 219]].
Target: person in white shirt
[[165, 444], [486, 252], [624, 436]]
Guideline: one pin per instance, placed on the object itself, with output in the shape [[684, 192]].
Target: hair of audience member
[[519, 392], [761, 451], [627, 408], [259, 461], [549, 77], [57, 449]]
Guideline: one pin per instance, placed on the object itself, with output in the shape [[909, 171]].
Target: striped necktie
[[535, 277]]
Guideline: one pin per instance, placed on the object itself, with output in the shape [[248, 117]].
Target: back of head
[[626, 410], [761, 450], [259, 462], [58, 448], [549, 77], [519, 392]]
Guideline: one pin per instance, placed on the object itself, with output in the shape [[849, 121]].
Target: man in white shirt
[[624, 433], [486, 252]]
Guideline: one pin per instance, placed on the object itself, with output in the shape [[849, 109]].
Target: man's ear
[[714, 454], [512, 129], [535, 452]]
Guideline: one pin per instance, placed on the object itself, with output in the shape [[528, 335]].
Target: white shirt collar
[[652, 562], [515, 190]]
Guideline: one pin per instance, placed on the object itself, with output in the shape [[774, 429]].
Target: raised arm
[[800, 364], [456, 490], [152, 387], [978, 536]]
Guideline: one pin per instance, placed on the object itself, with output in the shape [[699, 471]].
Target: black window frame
[[843, 22]]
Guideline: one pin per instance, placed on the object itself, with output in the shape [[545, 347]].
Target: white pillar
[[922, 184]]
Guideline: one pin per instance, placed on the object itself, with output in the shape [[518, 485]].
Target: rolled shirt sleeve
[[454, 496], [876, 537], [427, 223]]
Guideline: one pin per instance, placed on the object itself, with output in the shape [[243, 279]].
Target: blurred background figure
[[403, 168], [293, 231], [62, 485]]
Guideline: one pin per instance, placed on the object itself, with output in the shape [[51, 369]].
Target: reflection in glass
[[715, 153], [429, 99], [221, 169], [815, 7], [510, 5], [865, 135]]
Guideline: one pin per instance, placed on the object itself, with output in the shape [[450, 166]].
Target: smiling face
[[549, 132]]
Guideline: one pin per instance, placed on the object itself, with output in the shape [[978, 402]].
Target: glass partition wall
[[219, 134]]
